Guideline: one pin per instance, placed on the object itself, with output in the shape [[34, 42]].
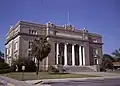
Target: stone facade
[[69, 46]]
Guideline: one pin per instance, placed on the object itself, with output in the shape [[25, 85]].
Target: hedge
[[4, 71]]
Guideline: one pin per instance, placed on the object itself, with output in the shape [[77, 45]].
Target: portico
[[71, 54]]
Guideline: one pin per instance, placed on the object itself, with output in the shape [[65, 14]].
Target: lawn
[[117, 72], [43, 75]]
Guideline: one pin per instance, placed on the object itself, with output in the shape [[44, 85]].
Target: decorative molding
[[69, 35]]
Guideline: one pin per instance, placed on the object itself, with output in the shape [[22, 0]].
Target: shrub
[[52, 69], [2, 60], [5, 71], [102, 69], [106, 64], [30, 65], [4, 65]]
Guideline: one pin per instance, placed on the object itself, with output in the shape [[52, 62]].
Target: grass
[[117, 72], [43, 75]]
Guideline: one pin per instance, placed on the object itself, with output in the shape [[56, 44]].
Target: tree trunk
[[37, 70]]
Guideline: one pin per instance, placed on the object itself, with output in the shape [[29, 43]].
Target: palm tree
[[40, 50], [116, 53]]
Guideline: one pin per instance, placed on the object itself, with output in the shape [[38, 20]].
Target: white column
[[57, 50], [46, 62], [65, 54], [80, 56], [35, 60], [73, 55], [83, 56], [97, 61]]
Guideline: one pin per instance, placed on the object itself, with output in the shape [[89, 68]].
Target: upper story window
[[29, 31], [95, 52], [16, 56], [33, 32], [10, 51], [16, 46], [95, 40], [7, 51], [29, 54], [30, 44]]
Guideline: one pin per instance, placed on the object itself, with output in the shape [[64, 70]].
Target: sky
[[98, 16]]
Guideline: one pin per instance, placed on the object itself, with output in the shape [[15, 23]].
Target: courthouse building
[[76, 49]]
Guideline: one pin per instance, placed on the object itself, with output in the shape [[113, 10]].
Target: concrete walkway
[[104, 75], [12, 82]]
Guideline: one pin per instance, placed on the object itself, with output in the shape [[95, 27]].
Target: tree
[[4, 67], [109, 57], [116, 53], [1, 56], [40, 50], [106, 62]]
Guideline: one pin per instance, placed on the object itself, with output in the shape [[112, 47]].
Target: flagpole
[[68, 16]]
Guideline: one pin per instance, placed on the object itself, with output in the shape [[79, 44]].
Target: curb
[[68, 79], [79, 79]]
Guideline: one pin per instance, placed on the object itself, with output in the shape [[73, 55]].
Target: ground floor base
[[92, 68]]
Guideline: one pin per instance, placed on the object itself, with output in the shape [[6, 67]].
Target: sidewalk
[[11, 82], [103, 75]]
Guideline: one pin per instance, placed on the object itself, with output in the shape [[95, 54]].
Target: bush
[[102, 69], [4, 71], [4, 65], [106, 64], [30, 65], [52, 69], [13, 67], [2, 60]]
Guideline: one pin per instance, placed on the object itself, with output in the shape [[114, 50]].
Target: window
[[95, 40], [15, 56], [16, 46], [7, 51], [30, 44], [10, 51], [95, 51], [95, 61], [54, 32], [29, 54], [29, 31], [32, 32], [35, 32], [55, 53]]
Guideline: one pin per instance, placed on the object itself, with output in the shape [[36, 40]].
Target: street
[[104, 82], [2, 84]]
